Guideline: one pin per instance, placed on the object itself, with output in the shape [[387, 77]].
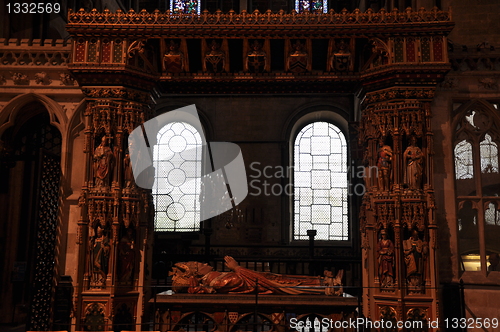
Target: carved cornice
[[117, 93], [274, 23], [25, 52], [403, 93]]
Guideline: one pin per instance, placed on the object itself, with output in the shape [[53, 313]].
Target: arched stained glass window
[[185, 6], [489, 155], [311, 6], [320, 183], [176, 191], [464, 166]]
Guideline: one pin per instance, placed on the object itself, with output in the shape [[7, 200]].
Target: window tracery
[[320, 6], [477, 181], [176, 191]]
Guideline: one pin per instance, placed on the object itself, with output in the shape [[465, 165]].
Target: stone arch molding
[[9, 113], [319, 111]]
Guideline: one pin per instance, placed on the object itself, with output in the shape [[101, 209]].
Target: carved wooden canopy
[[340, 52]]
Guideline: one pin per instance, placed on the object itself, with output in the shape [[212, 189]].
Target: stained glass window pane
[[311, 6], [489, 155], [185, 6], [464, 168], [176, 191], [320, 177]]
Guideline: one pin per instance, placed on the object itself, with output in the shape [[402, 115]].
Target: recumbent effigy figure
[[200, 278]]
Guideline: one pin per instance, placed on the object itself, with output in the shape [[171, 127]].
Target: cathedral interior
[[249, 165]]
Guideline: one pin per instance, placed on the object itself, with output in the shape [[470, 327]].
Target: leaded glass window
[[320, 183], [311, 6], [477, 179], [176, 191], [185, 6], [492, 215], [489, 155], [464, 168]]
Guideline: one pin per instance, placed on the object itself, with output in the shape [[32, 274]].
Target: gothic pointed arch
[[477, 180], [30, 182]]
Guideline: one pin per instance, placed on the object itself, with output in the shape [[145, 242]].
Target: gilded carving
[[136, 47], [144, 18]]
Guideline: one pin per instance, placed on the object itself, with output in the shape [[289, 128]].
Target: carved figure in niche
[[195, 277], [384, 164], [215, 59], [174, 59], [367, 174], [99, 257], [414, 159], [385, 250], [256, 58], [341, 57], [415, 252], [128, 174], [103, 163], [298, 59], [126, 256]]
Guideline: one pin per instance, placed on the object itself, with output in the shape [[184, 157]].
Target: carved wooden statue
[[415, 252], [174, 59], [341, 57], [384, 165], [103, 163], [128, 175], [298, 59], [414, 159], [385, 250], [256, 58], [126, 256], [195, 277], [215, 59], [99, 257]]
